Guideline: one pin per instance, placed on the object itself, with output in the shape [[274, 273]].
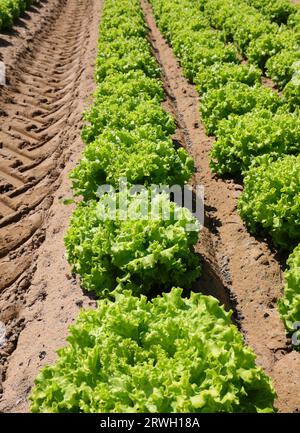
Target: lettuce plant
[[138, 155], [278, 11], [235, 98], [126, 113], [172, 354], [240, 22], [294, 21], [194, 42], [132, 84], [291, 93], [267, 45], [271, 199], [142, 249], [219, 74], [281, 66], [123, 55], [259, 132], [206, 56], [289, 304], [10, 10]]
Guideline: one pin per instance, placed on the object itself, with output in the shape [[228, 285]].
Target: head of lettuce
[[171, 354]]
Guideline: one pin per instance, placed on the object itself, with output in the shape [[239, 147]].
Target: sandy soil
[[50, 56], [242, 267]]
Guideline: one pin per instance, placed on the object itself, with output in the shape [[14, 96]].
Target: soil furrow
[[37, 135]]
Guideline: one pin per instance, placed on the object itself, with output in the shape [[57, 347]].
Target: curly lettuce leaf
[[172, 354]]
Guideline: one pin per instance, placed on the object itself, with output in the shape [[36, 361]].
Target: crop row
[[171, 354], [254, 127], [10, 10], [251, 122], [273, 47], [279, 11]]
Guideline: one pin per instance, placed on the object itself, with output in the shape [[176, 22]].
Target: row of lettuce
[[132, 354], [257, 129], [273, 46], [10, 10], [278, 11]]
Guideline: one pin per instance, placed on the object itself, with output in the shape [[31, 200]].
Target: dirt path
[[233, 259], [50, 57], [36, 107]]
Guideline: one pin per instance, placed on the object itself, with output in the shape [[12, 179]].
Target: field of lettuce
[[153, 344], [131, 354]]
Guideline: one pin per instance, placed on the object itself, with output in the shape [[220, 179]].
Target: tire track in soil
[[233, 260], [35, 108], [40, 119]]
